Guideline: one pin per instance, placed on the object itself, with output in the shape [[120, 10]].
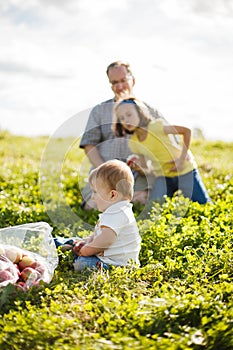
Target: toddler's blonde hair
[[116, 175]]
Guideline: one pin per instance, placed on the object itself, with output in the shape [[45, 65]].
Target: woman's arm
[[99, 243], [186, 135]]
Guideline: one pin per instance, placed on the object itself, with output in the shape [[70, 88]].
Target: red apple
[[5, 275], [38, 267], [78, 246], [20, 286], [26, 262], [29, 272], [131, 160], [14, 254], [14, 271]]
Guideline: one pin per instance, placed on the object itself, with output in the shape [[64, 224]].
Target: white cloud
[[54, 55], [211, 7]]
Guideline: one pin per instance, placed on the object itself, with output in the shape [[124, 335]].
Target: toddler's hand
[[78, 246]]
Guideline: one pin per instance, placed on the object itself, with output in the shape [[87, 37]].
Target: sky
[[54, 55]]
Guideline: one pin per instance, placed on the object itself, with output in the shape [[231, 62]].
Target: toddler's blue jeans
[[92, 262], [81, 262]]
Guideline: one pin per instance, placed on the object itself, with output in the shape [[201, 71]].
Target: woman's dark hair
[[143, 112]]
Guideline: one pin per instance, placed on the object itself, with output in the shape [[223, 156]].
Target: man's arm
[[93, 155]]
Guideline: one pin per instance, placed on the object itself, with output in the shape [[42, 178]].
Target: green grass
[[180, 298]]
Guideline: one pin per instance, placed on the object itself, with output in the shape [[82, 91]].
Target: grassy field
[[180, 297]]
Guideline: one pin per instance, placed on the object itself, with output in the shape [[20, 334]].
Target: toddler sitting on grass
[[116, 239]]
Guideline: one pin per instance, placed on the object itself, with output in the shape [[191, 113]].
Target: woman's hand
[[135, 163], [178, 165], [140, 164], [133, 160]]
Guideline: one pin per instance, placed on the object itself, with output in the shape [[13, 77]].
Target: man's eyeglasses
[[121, 81]]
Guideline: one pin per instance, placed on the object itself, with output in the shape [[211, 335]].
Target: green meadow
[[180, 297]]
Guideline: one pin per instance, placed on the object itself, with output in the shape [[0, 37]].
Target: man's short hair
[[119, 64]]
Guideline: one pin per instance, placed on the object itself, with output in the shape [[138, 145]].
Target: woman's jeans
[[190, 184]]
